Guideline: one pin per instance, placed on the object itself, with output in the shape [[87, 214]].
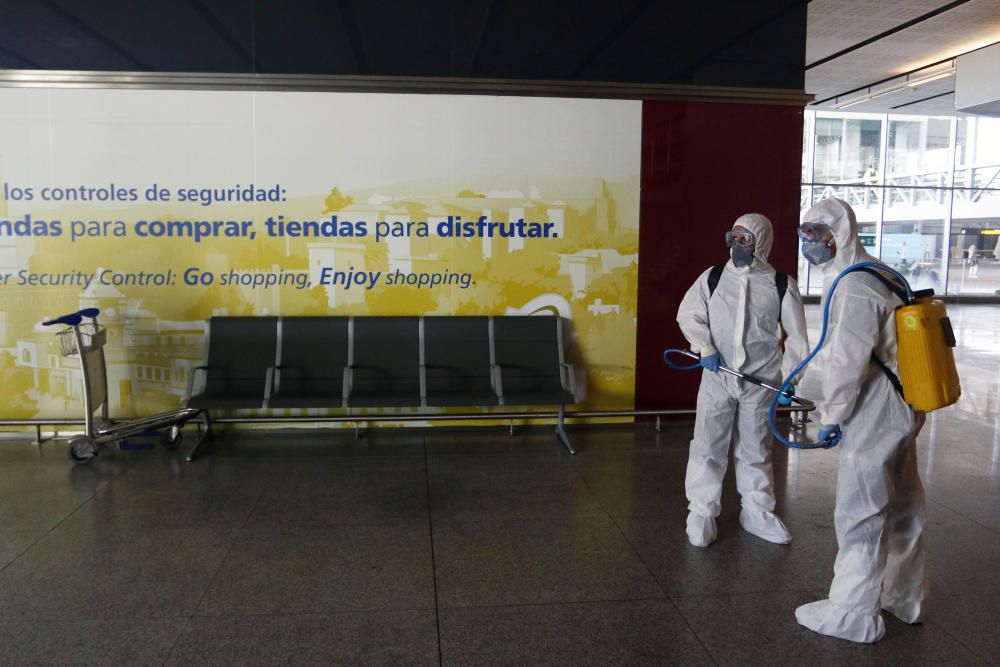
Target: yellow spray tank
[[924, 340], [928, 379]]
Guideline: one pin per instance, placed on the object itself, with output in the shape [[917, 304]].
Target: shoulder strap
[[781, 282], [893, 286], [896, 289], [713, 278], [893, 379]]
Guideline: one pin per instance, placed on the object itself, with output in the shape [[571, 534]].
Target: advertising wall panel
[[164, 208]]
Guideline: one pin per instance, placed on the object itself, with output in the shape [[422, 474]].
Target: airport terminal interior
[[412, 546], [487, 543]]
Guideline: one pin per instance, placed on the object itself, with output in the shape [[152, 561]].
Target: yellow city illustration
[[586, 271]]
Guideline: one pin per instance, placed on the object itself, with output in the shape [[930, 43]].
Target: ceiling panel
[[835, 25], [956, 31]]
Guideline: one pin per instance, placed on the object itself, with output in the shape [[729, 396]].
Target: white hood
[[762, 231], [844, 224]]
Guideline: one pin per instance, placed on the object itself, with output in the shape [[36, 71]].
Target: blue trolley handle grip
[[73, 319]]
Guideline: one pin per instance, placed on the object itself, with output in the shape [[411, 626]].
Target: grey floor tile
[[504, 487], [485, 440], [736, 562], [17, 448], [970, 618], [528, 562], [316, 443], [644, 632], [672, 436], [638, 483], [304, 570], [356, 638], [36, 497], [81, 641], [962, 556], [99, 572], [143, 507], [760, 629], [355, 495], [13, 545]]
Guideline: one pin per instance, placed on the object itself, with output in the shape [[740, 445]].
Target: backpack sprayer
[[928, 379]]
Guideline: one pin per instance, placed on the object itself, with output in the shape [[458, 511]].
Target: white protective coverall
[[740, 321], [879, 513]]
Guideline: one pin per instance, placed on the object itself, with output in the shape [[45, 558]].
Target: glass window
[[975, 257], [915, 248], [977, 152], [918, 151], [905, 197], [847, 148]]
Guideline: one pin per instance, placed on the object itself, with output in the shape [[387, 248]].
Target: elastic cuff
[[708, 351]]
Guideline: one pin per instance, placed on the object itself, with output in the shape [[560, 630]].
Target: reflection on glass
[[977, 152], [847, 149], [915, 248], [919, 152], [975, 254], [903, 198]]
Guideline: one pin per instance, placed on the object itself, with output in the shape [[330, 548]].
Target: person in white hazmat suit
[[739, 325], [879, 513]]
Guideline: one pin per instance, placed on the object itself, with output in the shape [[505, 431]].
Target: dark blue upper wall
[[747, 43]]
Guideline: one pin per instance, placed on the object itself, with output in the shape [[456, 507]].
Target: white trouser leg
[[903, 584], [709, 454], [754, 473]]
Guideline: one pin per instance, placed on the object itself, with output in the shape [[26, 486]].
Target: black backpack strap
[[713, 278], [896, 289], [893, 286], [781, 282], [893, 379]]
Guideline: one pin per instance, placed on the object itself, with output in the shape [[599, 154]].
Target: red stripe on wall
[[704, 165]]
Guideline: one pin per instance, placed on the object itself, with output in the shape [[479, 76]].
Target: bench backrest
[[529, 351], [457, 354], [386, 355], [240, 350], [313, 355]]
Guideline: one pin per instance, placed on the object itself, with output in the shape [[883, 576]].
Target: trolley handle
[[73, 319]]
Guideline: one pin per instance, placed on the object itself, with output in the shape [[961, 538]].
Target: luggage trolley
[[86, 339]]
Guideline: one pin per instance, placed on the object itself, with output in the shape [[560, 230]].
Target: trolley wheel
[[82, 448], [171, 438]]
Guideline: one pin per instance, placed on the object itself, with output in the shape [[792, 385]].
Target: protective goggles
[[742, 239], [815, 232]]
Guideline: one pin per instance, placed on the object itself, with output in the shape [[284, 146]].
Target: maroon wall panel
[[704, 165]]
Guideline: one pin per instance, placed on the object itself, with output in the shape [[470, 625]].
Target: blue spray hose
[[725, 369], [786, 385]]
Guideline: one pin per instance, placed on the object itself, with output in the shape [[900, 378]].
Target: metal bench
[[382, 362]]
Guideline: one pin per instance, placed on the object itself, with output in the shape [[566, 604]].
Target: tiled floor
[[470, 547]]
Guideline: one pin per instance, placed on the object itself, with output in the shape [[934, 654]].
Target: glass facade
[[926, 191]]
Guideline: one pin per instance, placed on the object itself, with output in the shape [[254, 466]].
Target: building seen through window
[[926, 191]]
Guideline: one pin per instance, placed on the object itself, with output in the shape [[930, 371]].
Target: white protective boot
[[827, 618], [765, 525], [701, 530]]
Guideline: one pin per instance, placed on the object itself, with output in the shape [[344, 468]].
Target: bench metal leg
[[204, 435], [561, 431]]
